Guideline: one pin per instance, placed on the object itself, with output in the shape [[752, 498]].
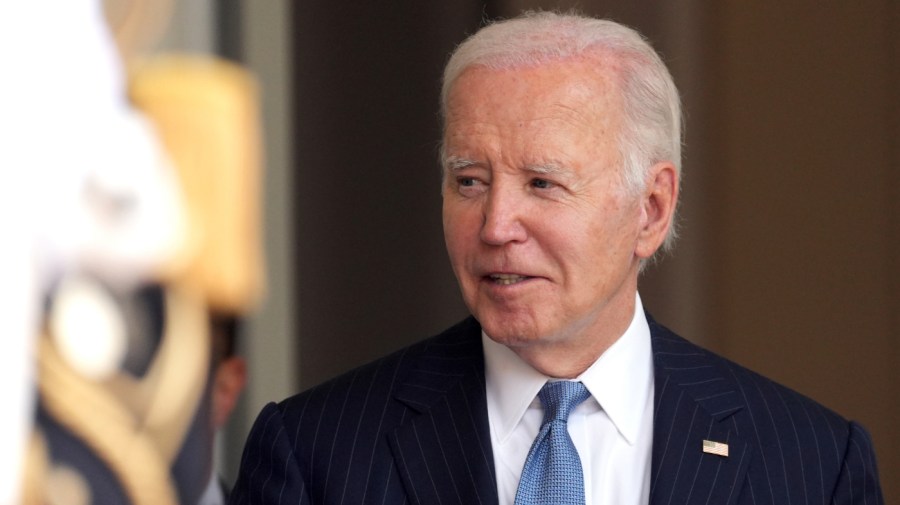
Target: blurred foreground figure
[[561, 160], [87, 189], [206, 110], [124, 249]]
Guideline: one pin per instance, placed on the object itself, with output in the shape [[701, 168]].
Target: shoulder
[[794, 448], [721, 385], [368, 389]]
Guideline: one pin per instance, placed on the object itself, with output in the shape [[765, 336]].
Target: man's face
[[540, 230]]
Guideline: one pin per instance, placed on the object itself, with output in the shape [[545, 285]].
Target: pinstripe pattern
[[784, 449], [412, 428]]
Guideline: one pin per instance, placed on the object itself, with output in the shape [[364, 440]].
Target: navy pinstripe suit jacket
[[413, 428]]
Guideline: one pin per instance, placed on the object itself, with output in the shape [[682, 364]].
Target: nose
[[503, 217]]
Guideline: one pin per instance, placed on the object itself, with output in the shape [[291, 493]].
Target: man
[[561, 160], [229, 376]]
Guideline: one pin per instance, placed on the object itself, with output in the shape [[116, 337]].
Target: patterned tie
[[552, 472]]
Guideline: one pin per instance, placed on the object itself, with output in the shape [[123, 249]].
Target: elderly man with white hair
[[561, 169]]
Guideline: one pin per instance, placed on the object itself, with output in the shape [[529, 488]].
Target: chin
[[510, 331]]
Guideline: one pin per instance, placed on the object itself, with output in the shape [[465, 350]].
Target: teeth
[[507, 279]]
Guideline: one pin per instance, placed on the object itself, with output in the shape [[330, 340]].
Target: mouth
[[507, 279]]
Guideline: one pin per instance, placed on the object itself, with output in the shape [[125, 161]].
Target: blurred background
[[789, 257]]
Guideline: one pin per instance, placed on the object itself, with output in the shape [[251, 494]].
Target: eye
[[468, 185], [541, 184]]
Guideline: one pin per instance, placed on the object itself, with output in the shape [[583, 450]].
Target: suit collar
[[445, 450], [694, 401]]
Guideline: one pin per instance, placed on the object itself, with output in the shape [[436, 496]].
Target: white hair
[[651, 130]]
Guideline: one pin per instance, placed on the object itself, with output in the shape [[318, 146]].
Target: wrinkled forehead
[[564, 113], [574, 90], [597, 62]]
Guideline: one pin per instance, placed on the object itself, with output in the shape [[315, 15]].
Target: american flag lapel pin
[[717, 448]]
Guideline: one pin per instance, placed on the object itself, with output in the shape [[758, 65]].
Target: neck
[[569, 356]]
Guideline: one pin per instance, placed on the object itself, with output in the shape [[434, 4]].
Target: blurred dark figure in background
[[229, 376]]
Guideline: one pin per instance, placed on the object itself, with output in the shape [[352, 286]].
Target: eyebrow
[[456, 163], [550, 168]]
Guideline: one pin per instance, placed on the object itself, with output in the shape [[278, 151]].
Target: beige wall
[[805, 208]]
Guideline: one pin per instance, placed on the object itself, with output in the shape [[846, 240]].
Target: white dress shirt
[[213, 494], [612, 430]]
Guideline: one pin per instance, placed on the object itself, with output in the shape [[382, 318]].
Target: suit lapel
[[443, 452], [694, 402]]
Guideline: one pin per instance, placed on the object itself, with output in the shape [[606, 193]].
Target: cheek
[[449, 217], [459, 231], [594, 240]]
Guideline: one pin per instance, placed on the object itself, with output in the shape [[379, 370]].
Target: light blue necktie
[[552, 474]]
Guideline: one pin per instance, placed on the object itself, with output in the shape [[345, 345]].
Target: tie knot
[[560, 398]]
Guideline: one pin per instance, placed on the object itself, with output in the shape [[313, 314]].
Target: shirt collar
[[620, 380]]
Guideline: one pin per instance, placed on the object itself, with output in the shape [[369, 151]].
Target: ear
[[229, 381], [657, 208]]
